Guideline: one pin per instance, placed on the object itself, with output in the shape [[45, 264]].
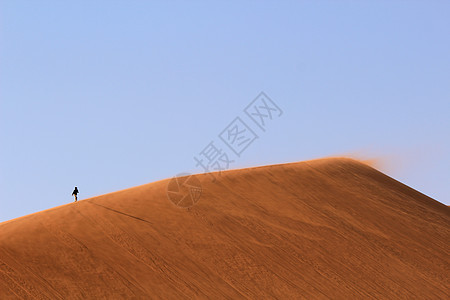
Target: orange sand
[[331, 228]]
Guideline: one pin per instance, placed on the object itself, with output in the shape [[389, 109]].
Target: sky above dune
[[107, 95]]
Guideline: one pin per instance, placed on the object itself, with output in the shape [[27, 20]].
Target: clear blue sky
[[108, 95]]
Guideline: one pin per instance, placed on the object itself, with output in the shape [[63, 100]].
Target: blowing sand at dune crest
[[331, 228]]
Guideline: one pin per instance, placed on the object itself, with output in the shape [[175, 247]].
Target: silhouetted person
[[74, 193]]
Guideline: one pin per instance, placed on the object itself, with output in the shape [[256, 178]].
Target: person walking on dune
[[74, 193]]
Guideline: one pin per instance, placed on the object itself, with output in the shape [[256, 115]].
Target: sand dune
[[331, 228]]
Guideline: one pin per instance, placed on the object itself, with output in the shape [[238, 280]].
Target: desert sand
[[331, 228]]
